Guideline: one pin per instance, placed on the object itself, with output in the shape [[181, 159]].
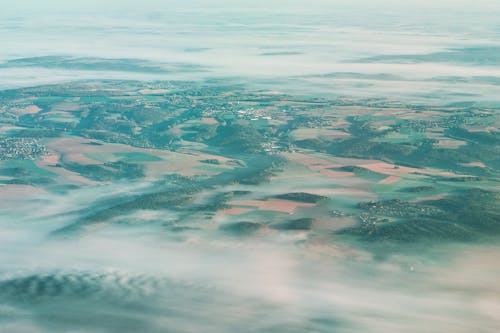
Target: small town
[[21, 148]]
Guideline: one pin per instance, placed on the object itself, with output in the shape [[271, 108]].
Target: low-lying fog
[[141, 277]]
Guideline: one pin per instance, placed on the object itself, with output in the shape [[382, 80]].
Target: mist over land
[[271, 166]]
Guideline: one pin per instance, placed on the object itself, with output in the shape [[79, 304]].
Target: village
[[21, 148]]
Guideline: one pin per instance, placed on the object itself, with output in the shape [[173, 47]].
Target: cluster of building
[[399, 208], [444, 122], [21, 148]]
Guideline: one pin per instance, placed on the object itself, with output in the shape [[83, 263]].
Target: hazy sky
[[274, 4]]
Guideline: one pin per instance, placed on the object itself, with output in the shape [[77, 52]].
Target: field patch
[[137, 157], [285, 206]]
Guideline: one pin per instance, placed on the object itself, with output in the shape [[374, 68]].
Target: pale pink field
[[340, 123], [320, 247], [313, 163], [335, 174], [450, 143], [332, 224], [394, 170], [183, 164], [50, 158], [209, 121], [80, 159], [415, 115], [74, 150], [307, 160], [16, 192], [435, 133], [388, 169], [474, 164], [153, 91], [383, 123], [482, 129], [389, 180], [47, 162], [391, 111], [324, 166], [352, 192], [234, 211], [59, 113], [317, 163], [221, 159], [6, 128], [284, 206], [68, 176], [492, 129], [336, 178], [66, 106], [308, 133], [81, 146], [31, 109], [430, 198]]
